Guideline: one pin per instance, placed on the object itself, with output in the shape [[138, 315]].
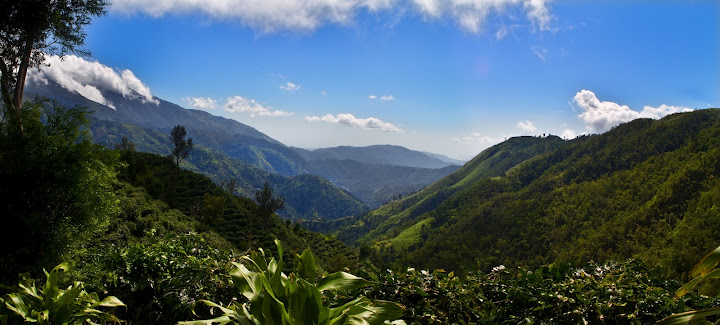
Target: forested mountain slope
[[306, 196], [403, 213], [647, 189], [229, 136], [235, 218]]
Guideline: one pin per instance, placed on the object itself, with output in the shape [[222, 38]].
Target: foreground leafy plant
[[703, 271], [276, 298], [609, 293], [53, 305]]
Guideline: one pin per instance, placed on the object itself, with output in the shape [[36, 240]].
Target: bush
[[52, 305]]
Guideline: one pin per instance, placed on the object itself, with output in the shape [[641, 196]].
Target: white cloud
[[540, 51], [323, 92], [475, 138], [290, 86], [383, 98], [238, 104], [568, 134], [91, 78], [600, 116], [472, 14], [276, 15], [526, 126], [502, 32], [351, 120], [201, 102]]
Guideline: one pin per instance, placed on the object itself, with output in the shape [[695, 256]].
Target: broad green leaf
[[305, 266], [51, 289], [111, 301], [690, 317], [709, 262], [215, 321], [341, 281], [694, 282], [18, 305], [384, 310]]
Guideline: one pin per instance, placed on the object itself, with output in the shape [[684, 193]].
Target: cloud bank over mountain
[[89, 78], [600, 116]]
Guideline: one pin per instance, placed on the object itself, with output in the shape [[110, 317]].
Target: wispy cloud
[[276, 15], [350, 120], [383, 98], [290, 86], [540, 52], [475, 138], [526, 126], [205, 103], [91, 78], [600, 116], [501, 32], [238, 104]]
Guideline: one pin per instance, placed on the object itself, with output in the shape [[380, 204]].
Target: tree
[[181, 148], [268, 201], [32, 29], [53, 181], [125, 145]]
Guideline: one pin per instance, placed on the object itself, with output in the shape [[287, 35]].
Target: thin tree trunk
[[5, 85], [22, 73]]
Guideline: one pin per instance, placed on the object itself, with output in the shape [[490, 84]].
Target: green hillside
[[406, 212], [238, 219], [646, 189], [318, 198]]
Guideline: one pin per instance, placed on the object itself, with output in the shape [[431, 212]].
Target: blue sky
[[452, 77]]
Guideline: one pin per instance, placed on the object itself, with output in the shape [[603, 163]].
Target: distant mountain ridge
[[404, 171], [380, 155], [230, 136], [317, 198]]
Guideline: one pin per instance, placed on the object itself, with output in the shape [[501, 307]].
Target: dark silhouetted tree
[[181, 148], [125, 145], [32, 29], [268, 201]]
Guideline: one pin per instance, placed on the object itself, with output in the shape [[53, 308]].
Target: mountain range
[[647, 189], [229, 150]]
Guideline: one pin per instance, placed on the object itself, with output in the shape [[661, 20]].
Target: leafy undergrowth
[[610, 293]]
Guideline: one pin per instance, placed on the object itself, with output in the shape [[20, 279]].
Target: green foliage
[[306, 196], [29, 30], [705, 270], [268, 202], [53, 305], [239, 222], [395, 216], [164, 279], [181, 147], [646, 189], [276, 298], [53, 183], [613, 293]]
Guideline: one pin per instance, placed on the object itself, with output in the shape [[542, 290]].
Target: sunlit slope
[[646, 189], [392, 218]]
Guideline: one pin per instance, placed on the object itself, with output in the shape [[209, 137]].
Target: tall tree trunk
[[5, 91], [22, 73]]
